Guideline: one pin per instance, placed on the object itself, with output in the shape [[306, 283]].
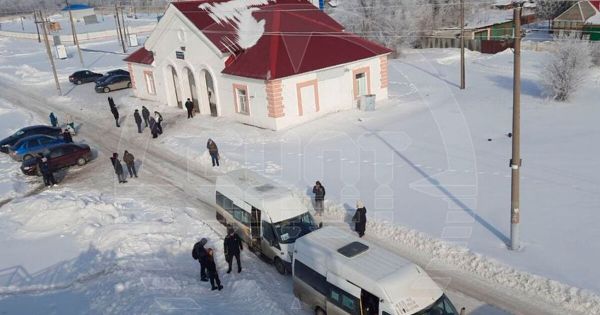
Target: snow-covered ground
[[422, 163]]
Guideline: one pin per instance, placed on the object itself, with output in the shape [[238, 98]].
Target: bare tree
[[550, 9], [567, 67]]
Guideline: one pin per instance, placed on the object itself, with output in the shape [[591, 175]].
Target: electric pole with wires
[[462, 44], [515, 162], [74, 33], [49, 52]]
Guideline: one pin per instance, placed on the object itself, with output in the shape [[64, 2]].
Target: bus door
[[255, 224], [369, 303]]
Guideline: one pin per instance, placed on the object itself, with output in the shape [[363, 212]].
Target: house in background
[[575, 18], [291, 63], [79, 11]]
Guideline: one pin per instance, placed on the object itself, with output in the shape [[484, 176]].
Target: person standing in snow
[[118, 168], [232, 247], [319, 192], [360, 219], [189, 105], [53, 120], [211, 269], [158, 117], [129, 160], [213, 151], [115, 113], [46, 172], [199, 253], [153, 127], [111, 102], [145, 115], [67, 136], [138, 120]]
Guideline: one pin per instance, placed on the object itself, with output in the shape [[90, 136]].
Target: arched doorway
[[193, 89], [175, 85], [210, 91]]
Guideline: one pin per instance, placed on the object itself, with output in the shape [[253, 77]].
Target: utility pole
[[118, 20], [74, 32], [125, 32], [515, 162], [462, 44], [50, 52], [37, 28]]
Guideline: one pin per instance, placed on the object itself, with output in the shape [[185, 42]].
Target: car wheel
[[27, 157], [319, 311], [106, 90], [79, 82], [81, 161], [129, 85], [279, 265]]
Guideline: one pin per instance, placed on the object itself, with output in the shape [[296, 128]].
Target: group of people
[[232, 246], [154, 122], [129, 160], [359, 218], [69, 127]]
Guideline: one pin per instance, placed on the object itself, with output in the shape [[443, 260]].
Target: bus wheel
[[279, 265], [319, 311]]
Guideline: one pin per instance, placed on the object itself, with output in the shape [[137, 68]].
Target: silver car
[[115, 82]]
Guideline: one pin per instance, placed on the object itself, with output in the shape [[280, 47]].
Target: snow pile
[[239, 14]]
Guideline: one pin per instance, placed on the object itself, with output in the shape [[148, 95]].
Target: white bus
[[266, 216], [335, 272]]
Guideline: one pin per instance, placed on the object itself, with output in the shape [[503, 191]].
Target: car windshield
[[442, 306], [18, 133], [289, 230]]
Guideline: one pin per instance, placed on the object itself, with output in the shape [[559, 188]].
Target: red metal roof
[[298, 38], [142, 56]]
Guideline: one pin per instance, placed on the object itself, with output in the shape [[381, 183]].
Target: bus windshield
[[289, 230], [442, 306]]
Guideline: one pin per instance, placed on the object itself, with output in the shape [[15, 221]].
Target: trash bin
[[367, 102]]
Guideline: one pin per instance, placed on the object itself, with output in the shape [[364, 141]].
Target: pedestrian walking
[[153, 127], [118, 168], [189, 105], [53, 120], [213, 150], [159, 119], [232, 247], [199, 253], [138, 120], [145, 115], [47, 173], [211, 269], [111, 102], [67, 136], [360, 219], [129, 160], [115, 113], [319, 192]]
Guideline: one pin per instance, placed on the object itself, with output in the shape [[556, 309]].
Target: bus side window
[[268, 232], [225, 203], [240, 214], [311, 277], [343, 300]]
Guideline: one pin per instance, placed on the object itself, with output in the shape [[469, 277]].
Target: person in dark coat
[[360, 219], [111, 102], [67, 136], [199, 253], [233, 247], [115, 113], [145, 115], [213, 151], [189, 105], [118, 168], [319, 192], [138, 120], [46, 172], [153, 127], [129, 160], [159, 119], [211, 269], [53, 120]]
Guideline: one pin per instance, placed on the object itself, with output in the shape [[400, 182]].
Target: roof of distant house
[[490, 17], [142, 56], [74, 7], [297, 38]]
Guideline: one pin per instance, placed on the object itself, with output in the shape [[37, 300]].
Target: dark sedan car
[[115, 82], [60, 156], [84, 76], [112, 73], [25, 132]]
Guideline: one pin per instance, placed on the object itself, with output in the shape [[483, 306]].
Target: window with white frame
[[149, 78], [242, 100]]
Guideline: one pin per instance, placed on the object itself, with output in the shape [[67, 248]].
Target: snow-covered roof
[[485, 18]]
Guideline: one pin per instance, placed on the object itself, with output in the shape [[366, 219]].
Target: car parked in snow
[[28, 131], [29, 147], [84, 76], [115, 82], [60, 156], [112, 73]]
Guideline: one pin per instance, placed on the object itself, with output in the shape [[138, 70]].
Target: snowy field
[[421, 163]]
